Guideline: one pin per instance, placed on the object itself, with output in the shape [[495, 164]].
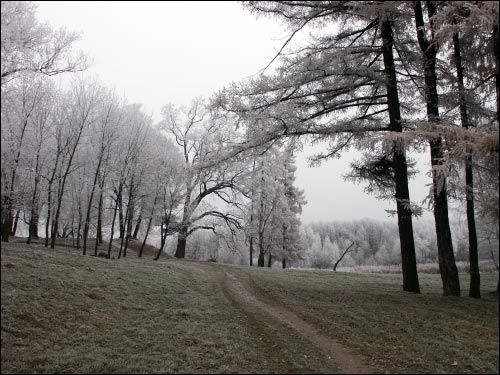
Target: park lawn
[[64, 312], [395, 331]]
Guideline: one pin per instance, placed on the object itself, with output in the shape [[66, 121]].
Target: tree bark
[[137, 226], [61, 191], [14, 227], [283, 263], [400, 168], [342, 257], [120, 216], [180, 251], [112, 228], [496, 52], [447, 265], [89, 206], [163, 235], [270, 260], [79, 225], [34, 217], [251, 251], [128, 221], [475, 278], [149, 224], [8, 221], [99, 219], [260, 261], [47, 222], [49, 194]]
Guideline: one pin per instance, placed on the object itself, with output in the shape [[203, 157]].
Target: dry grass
[[394, 330], [63, 312]]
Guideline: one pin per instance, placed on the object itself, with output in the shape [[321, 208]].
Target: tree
[[80, 113], [31, 47], [201, 138], [333, 90], [20, 104]]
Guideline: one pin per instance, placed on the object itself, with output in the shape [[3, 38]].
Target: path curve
[[346, 361]]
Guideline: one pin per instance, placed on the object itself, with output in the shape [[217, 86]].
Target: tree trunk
[[33, 224], [180, 252], [145, 236], [475, 278], [283, 263], [49, 195], [149, 224], [496, 52], [14, 227], [79, 226], [137, 226], [270, 260], [112, 228], [99, 219], [260, 260], [61, 191], [405, 225], [89, 205], [128, 221], [47, 222], [447, 265], [251, 251], [8, 222], [120, 215]]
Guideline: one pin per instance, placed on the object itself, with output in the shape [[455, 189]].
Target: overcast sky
[[160, 52]]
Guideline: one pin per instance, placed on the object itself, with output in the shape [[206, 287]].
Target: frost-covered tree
[[29, 46], [202, 137]]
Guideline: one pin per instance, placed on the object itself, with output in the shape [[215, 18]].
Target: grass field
[[63, 312]]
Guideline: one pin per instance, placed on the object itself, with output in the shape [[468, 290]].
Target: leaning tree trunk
[[163, 235], [475, 279], [89, 206], [400, 168], [14, 227], [447, 265]]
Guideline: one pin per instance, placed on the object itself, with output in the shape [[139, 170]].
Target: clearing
[[64, 312]]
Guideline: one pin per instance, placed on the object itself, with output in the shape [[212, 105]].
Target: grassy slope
[[81, 314], [65, 313]]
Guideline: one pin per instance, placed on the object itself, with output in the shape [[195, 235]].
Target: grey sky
[[160, 52]]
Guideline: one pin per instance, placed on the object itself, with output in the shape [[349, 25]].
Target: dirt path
[[242, 293]]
